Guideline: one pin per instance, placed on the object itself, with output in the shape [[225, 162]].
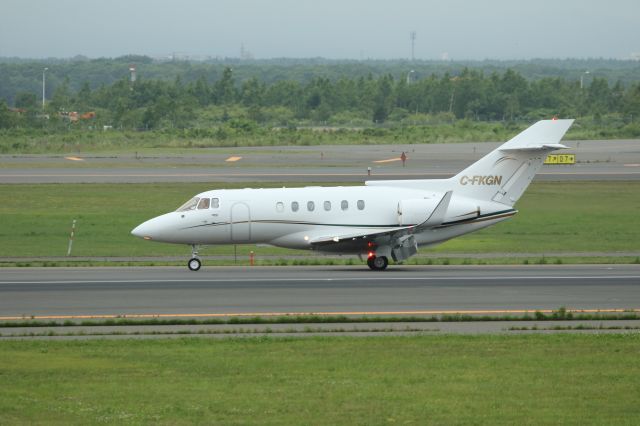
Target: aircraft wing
[[363, 240], [367, 238]]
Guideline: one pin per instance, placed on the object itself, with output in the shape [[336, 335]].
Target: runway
[[401, 290], [291, 175]]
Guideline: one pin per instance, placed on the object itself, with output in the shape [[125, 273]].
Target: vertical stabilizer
[[505, 173]]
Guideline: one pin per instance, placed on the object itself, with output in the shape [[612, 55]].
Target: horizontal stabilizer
[[546, 146], [543, 133]]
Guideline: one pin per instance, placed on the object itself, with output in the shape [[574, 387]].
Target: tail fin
[[505, 173]]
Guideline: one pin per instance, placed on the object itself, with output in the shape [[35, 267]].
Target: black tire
[[194, 264], [381, 263], [370, 263], [378, 263]]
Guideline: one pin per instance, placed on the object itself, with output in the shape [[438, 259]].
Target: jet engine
[[416, 211]]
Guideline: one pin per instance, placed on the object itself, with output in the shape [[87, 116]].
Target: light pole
[[582, 77], [43, 86]]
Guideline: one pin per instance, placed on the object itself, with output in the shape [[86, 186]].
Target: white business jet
[[381, 220]]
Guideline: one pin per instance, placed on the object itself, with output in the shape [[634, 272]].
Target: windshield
[[189, 205]]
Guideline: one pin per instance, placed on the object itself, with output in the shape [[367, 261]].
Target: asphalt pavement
[[596, 160], [401, 290]]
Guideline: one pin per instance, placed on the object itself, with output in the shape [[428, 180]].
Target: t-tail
[[505, 173]]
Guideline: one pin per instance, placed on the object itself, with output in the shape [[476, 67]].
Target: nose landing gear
[[194, 263]]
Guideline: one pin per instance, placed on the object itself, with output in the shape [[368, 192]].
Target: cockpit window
[[215, 203], [203, 204], [189, 205]]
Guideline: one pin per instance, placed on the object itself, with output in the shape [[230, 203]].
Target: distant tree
[[444, 94], [314, 99], [286, 93], [598, 97], [384, 99], [224, 90], [201, 91], [6, 119], [404, 94], [61, 99], [82, 100], [468, 93], [252, 92], [159, 111], [617, 96], [26, 100], [632, 103], [556, 96], [514, 90]]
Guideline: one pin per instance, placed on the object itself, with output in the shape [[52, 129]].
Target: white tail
[[505, 173]]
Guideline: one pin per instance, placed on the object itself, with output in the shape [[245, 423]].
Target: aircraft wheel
[[378, 263], [370, 262], [194, 264]]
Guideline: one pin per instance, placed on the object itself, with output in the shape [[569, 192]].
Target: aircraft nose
[[145, 230], [158, 229]]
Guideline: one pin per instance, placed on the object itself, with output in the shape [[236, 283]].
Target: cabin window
[[360, 204], [215, 203], [344, 205], [204, 204], [189, 205], [295, 206], [327, 205], [311, 206], [279, 206]]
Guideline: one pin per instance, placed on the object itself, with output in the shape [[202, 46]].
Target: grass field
[[51, 140], [488, 379], [554, 217]]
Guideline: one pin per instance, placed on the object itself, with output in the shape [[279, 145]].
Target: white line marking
[[368, 279]]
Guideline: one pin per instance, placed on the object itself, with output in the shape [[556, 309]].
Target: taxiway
[[596, 160]]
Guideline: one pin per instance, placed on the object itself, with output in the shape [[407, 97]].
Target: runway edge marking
[[351, 313]]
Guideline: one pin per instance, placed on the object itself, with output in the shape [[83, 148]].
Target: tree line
[[361, 100], [22, 75]]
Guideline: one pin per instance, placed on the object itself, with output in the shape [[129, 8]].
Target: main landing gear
[[377, 263], [194, 263]]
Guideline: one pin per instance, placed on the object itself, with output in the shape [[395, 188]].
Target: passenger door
[[240, 223]]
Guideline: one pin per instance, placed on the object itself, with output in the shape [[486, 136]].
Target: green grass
[[78, 140], [554, 217], [488, 379]]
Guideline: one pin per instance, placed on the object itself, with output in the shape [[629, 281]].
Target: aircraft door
[[240, 222]]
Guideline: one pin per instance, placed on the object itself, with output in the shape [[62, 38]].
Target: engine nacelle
[[415, 211]]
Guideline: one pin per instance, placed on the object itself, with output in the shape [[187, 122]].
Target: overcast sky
[[341, 29]]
